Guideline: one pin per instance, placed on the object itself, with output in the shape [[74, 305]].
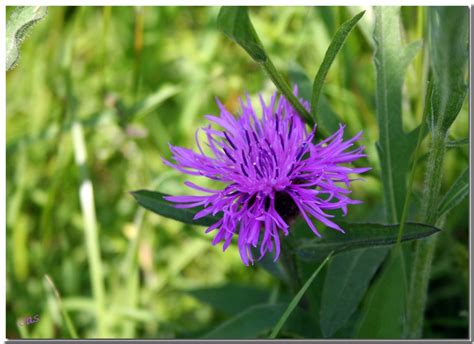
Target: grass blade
[[67, 319], [297, 299], [336, 45]]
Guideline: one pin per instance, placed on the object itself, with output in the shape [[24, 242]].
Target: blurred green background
[[128, 81]]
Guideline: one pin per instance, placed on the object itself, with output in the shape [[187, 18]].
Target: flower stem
[[285, 89], [425, 248], [289, 264]]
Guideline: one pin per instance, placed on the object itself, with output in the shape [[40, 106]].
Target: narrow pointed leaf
[[359, 235], [155, 202], [334, 47], [21, 20], [456, 193], [448, 47], [395, 147]]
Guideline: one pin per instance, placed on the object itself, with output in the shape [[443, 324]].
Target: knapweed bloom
[[272, 171]]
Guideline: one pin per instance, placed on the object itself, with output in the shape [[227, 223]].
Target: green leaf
[[347, 280], [327, 120], [383, 313], [359, 235], [21, 20], [231, 298], [258, 320], [296, 300], [336, 45], [236, 24], [395, 147], [155, 202], [448, 47], [455, 194]]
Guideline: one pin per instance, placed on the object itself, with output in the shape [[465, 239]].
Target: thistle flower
[[272, 173]]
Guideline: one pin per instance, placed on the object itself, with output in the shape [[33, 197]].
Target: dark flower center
[[286, 207]]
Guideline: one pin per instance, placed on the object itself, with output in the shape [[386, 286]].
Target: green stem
[[86, 197], [289, 264], [425, 248], [285, 89], [413, 165]]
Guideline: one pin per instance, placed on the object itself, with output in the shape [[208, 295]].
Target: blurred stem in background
[[86, 190]]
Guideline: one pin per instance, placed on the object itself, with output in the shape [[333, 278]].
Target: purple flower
[[272, 173]]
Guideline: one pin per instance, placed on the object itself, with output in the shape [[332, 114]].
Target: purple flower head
[[272, 173]]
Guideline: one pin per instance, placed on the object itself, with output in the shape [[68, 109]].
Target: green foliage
[[231, 298], [331, 53], [235, 23], [383, 313], [448, 46], [154, 201], [297, 298], [359, 235], [327, 120], [455, 195], [346, 283], [394, 147], [255, 322], [131, 81], [20, 22]]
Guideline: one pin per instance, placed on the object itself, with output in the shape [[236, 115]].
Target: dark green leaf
[[395, 147], [155, 202], [236, 24], [347, 280], [231, 298], [359, 235], [383, 313], [334, 47], [448, 47], [21, 20], [259, 320], [455, 194]]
